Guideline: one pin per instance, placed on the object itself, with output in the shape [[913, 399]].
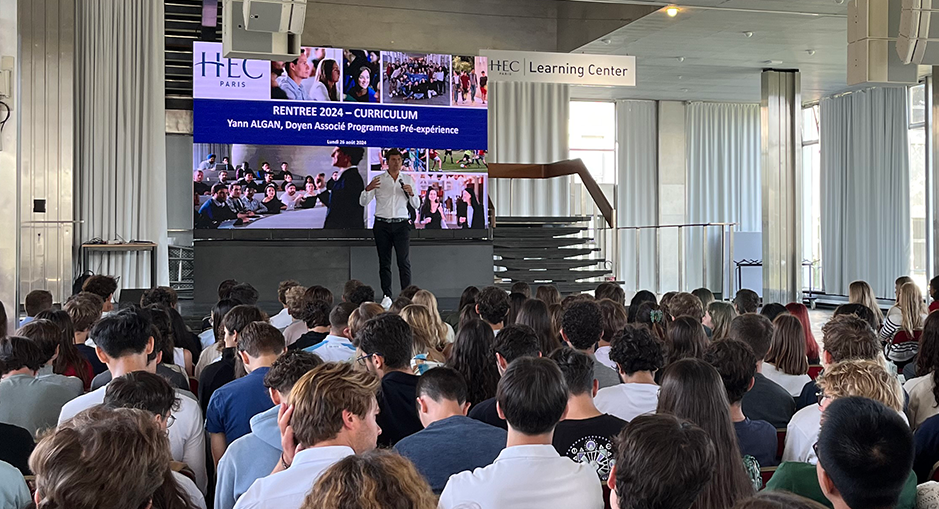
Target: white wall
[[9, 228], [672, 188]]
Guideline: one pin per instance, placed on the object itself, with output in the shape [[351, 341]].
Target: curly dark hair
[[735, 361], [493, 304], [472, 357], [100, 285], [389, 336], [635, 349], [361, 293], [315, 313], [244, 293], [159, 295], [288, 368], [582, 324]]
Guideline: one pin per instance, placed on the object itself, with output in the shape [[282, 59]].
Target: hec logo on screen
[[217, 77]]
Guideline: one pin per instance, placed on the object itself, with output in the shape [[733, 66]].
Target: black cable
[[7, 117]]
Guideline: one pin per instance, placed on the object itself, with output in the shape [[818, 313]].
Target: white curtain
[[528, 124], [865, 170], [636, 200], [121, 133]]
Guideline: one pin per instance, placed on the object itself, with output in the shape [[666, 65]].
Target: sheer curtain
[[528, 124], [636, 200], [120, 140], [723, 153], [865, 189]]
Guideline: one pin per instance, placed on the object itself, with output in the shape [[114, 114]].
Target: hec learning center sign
[[570, 68]]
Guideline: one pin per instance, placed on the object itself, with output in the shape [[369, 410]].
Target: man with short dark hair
[[216, 210], [344, 209], [735, 361], [638, 355], [582, 328], [255, 455], [662, 462], [393, 193], [236, 201], [746, 301], [492, 305], [386, 342], [85, 309], [514, 342], [585, 434], [26, 400], [104, 287], [124, 341], [315, 315], [160, 295], [766, 400], [36, 301], [361, 294], [865, 456], [330, 414], [469, 444], [522, 288], [244, 293], [198, 183], [532, 397], [337, 346], [233, 405]]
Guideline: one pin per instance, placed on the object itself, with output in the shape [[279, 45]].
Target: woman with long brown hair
[[786, 362], [378, 479], [472, 357], [69, 361], [692, 389], [534, 313], [718, 317], [685, 339]]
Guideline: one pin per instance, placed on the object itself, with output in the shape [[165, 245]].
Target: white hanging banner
[[570, 68]]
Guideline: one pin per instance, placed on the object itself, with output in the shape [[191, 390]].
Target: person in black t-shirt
[[585, 434], [198, 184], [316, 316], [16, 444], [511, 343]]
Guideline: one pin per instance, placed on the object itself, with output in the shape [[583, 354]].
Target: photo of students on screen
[[313, 76]]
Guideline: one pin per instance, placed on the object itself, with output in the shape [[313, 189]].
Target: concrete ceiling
[[704, 54]]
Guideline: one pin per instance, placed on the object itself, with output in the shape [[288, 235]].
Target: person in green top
[[865, 460]]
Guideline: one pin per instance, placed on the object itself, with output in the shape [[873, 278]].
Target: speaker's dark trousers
[[395, 235]]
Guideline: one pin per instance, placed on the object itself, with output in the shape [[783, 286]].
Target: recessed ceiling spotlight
[[606, 41], [748, 34], [685, 90], [810, 52], [681, 59], [672, 11], [772, 62], [679, 77]]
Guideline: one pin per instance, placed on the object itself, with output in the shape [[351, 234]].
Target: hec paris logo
[[217, 77]]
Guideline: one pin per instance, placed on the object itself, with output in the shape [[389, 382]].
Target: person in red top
[[934, 294], [798, 310], [464, 84]]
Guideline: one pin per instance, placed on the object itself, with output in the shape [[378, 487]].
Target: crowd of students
[[515, 401]]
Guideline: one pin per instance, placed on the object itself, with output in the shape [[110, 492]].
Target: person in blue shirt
[[216, 210], [228, 416], [255, 455], [450, 442]]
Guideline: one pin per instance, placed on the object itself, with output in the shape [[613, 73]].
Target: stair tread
[[548, 243], [548, 254]]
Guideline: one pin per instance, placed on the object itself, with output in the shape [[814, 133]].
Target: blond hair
[[375, 480], [859, 292], [865, 378], [321, 395], [912, 308], [426, 334], [293, 298], [722, 314], [429, 301]]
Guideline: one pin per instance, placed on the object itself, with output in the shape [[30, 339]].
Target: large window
[[592, 132], [811, 200], [917, 135]]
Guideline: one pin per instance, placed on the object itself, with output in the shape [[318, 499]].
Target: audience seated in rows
[[21, 389], [766, 400], [472, 357], [511, 344], [582, 329], [492, 305], [35, 302], [227, 367], [638, 356]]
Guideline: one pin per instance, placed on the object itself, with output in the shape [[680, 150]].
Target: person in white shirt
[[786, 362], [529, 473], [392, 192], [251, 203], [638, 356], [337, 347], [329, 415], [868, 379], [208, 164], [283, 319], [123, 341]]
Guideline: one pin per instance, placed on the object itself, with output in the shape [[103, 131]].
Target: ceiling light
[[772, 62], [810, 52], [606, 41], [681, 59], [672, 11], [748, 34], [684, 90]]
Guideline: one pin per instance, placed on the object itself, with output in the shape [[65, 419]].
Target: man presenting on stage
[[392, 192]]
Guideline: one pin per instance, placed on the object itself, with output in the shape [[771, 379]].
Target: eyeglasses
[[361, 360], [170, 420], [815, 448], [820, 395]]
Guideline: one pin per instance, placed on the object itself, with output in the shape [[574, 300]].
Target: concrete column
[[932, 183], [781, 136]]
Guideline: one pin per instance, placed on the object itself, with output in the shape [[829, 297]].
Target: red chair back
[[814, 371], [780, 442], [606, 496], [194, 385], [766, 473]]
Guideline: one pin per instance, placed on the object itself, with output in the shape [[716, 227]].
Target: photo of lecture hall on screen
[[299, 187]]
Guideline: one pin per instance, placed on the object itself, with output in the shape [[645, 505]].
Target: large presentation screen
[[287, 145]]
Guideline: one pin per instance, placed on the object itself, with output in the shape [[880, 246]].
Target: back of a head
[[912, 308], [614, 317], [652, 315], [282, 290], [522, 288], [517, 341], [778, 500], [409, 291], [468, 297], [123, 333], [493, 304], [443, 384], [288, 368], [612, 291], [339, 316], [361, 293], [516, 301], [927, 359], [754, 330], [100, 285], [577, 368], [787, 350], [315, 313], [378, 479], [548, 294], [76, 464], [350, 287], [424, 328], [934, 288], [638, 299], [857, 377], [472, 356], [159, 295], [866, 449], [295, 299], [705, 295], [686, 338], [746, 301], [360, 316], [244, 293], [772, 310], [261, 338], [321, 395], [44, 334], [849, 337], [143, 391], [37, 300], [17, 353], [722, 315], [427, 299], [532, 395], [662, 462], [859, 310], [582, 324], [84, 309], [686, 304], [634, 349], [224, 288], [241, 315], [735, 363], [389, 336], [860, 292], [534, 313]]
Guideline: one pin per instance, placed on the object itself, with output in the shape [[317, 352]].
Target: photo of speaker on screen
[[418, 78], [361, 71], [314, 76]]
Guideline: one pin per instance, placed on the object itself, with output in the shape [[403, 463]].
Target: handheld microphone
[[402, 187]]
